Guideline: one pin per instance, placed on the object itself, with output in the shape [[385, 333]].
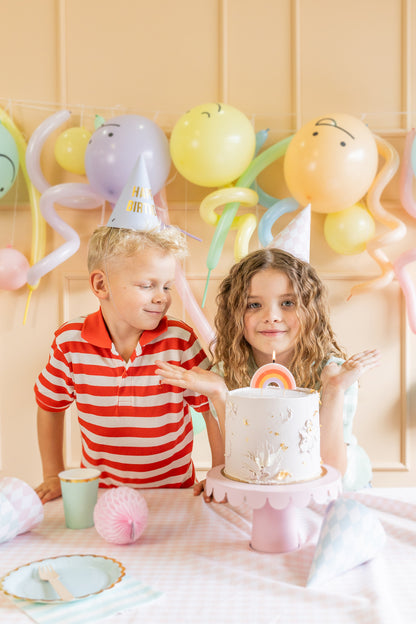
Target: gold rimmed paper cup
[[79, 493]]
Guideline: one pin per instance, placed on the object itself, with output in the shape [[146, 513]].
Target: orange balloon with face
[[331, 163]]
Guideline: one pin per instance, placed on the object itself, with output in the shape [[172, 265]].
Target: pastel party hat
[[295, 237], [351, 534], [25, 502], [135, 208], [9, 526]]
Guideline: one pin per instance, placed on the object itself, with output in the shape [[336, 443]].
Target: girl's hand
[[196, 379], [342, 377]]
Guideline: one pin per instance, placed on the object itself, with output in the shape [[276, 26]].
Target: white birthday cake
[[272, 435]]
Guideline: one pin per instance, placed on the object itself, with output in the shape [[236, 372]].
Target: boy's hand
[[49, 489], [199, 488]]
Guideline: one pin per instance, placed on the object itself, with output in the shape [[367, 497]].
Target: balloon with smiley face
[[114, 149], [212, 144], [109, 159], [9, 160], [331, 163]]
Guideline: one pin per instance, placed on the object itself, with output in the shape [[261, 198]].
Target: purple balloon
[[114, 149]]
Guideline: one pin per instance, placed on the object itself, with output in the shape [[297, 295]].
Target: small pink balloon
[[120, 515], [13, 269]]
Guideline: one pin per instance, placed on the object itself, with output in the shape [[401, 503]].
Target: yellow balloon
[[212, 144], [348, 231], [70, 149], [245, 196], [331, 162], [244, 224]]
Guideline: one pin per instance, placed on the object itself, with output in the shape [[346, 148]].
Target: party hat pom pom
[[120, 515]]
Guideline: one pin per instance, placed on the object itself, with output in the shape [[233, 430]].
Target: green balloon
[[256, 166], [198, 422], [9, 160]]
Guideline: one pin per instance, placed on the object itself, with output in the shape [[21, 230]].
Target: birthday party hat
[[9, 527], [135, 208], [295, 237], [27, 504], [351, 534]]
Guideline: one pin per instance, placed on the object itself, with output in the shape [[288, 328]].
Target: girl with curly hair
[[273, 304]]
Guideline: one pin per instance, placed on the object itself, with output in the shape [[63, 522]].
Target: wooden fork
[[47, 573]]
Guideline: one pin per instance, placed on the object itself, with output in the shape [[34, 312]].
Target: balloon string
[[14, 212], [27, 305], [206, 288], [102, 212], [186, 210]]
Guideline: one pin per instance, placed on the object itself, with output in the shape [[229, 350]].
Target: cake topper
[[273, 374]]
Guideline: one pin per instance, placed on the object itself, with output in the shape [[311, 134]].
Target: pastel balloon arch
[[14, 264], [331, 164], [110, 155], [214, 144]]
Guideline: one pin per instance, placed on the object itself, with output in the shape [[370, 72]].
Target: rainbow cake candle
[[273, 375]]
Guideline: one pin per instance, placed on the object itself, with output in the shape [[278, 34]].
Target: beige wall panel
[[410, 62], [146, 55], [384, 422], [257, 56], [350, 57], [28, 49], [356, 329]]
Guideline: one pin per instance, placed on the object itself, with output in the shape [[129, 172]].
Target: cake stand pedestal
[[275, 522]]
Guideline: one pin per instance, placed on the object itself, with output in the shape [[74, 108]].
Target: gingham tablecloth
[[198, 557]]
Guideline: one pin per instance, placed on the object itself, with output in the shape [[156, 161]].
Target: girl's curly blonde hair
[[316, 340], [108, 242]]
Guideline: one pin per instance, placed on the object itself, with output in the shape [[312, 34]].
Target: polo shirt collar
[[94, 331]]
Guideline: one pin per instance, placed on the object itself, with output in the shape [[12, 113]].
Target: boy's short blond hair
[[107, 242]]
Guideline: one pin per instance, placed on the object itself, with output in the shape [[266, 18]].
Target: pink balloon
[[198, 318], [406, 176], [408, 287], [199, 321], [13, 269]]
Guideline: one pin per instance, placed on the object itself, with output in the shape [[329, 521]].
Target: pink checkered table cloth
[[198, 556]]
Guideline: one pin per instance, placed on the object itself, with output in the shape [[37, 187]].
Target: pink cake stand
[[275, 522]]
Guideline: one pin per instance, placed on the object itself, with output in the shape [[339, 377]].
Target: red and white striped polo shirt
[[134, 429]]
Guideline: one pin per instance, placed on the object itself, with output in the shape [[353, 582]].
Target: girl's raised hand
[[196, 379], [351, 370]]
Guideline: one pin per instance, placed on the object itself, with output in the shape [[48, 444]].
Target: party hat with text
[[295, 237], [135, 208]]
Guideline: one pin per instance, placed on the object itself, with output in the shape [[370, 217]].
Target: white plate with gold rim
[[83, 575]]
